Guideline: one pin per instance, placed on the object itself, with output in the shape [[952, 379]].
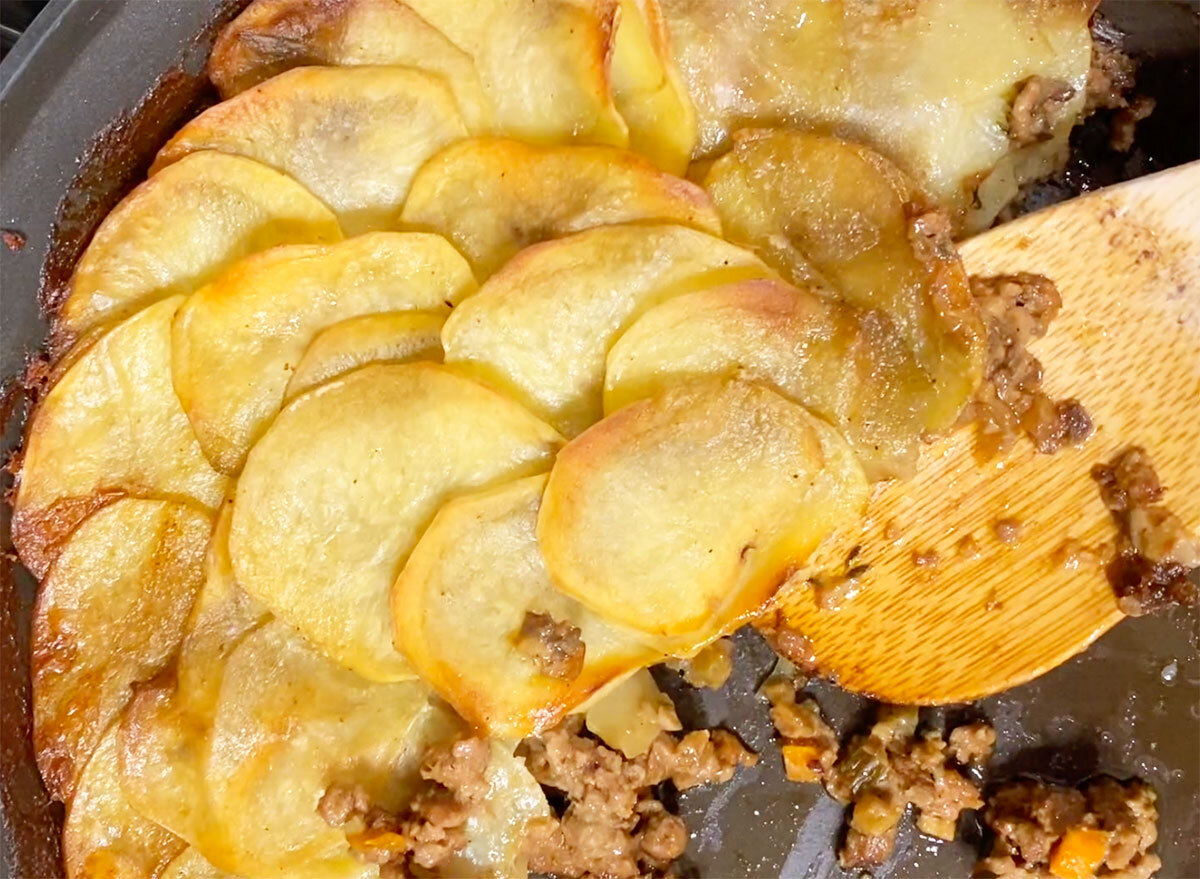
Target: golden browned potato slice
[[630, 715], [460, 603], [190, 864], [110, 613], [111, 426], [541, 326], [271, 36], [354, 136], [847, 365], [103, 837], [337, 492], [165, 728], [390, 335], [238, 340], [648, 90], [930, 83], [829, 212], [180, 228], [679, 516], [289, 724], [493, 196]]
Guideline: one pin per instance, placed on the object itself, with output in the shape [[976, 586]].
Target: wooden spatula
[[1127, 345]]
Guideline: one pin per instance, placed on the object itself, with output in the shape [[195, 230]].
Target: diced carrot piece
[[1079, 853], [802, 762], [378, 841]]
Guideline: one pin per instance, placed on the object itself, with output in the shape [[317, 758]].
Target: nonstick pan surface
[[92, 90]]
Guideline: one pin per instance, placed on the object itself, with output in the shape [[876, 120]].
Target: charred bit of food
[[613, 825], [1010, 401], [1104, 828], [880, 774], [555, 646], [427, 834], [710, 668], [1157, 556]]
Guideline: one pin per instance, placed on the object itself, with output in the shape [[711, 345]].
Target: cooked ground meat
[[555, 646], [1157, 556], [971, 743], [788, 642], [1010, 401], [810, 746], [1124, 122], [1037, 109], [1110, 82], [613, 825], [1104, 828], [432, 829], [710, 668]]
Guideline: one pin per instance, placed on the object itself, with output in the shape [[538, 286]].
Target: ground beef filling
[[1157, 557], [426, 836], [555, 646], [1038, 109], [880, 774], [1103, 829], [1010, 401], [1109, 85], [610, 822]]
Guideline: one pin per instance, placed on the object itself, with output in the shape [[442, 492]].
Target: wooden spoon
[[1127, 345]]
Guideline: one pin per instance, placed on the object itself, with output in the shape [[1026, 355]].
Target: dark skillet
[[86, 98]]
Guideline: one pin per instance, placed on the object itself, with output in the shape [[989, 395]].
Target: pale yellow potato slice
[[847, 365], [180, 228], [238, 340], [927, 82], [493, 196], [109, 613], [271, 36], [289, 724], [648, 90], [354, 136], [110, 426], [832, 213], [541, 326], [190, 864], [630, 715], [165, 728], [462, 597], [390, 335], [679, 516], [103, 837], [337, 492], [544, 64]]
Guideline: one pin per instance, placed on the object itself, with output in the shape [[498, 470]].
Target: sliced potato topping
[[845, 364], [339, 489], [110, 613], [541, 326], [493, 196], [928, 82], [838, 215], [182, 227], [353, 136], [190, 864], [679, 515], [103, 837], [460, 603], [239, 339], [398, 336], [111, 426]]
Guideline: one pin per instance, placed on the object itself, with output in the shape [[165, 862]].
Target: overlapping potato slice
[[190, 864], [679, 515], [847, 365], [648, 90], [180, 228], [289, 724], [111, 426], [238, 339], [461, 600], [110, 613], [830, 212], [339, 489], [354, 136], [271, 36], [390, 335], [927, 82], [103, 837], [493, 196], [165, 729], [541, 326]]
